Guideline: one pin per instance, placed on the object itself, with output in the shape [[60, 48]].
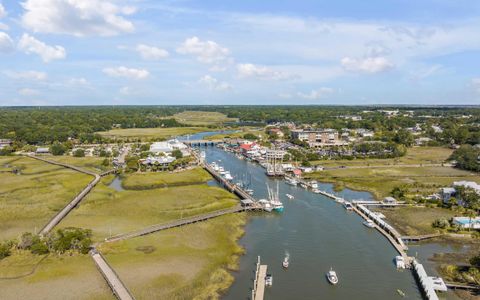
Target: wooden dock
[[258, 290], [176, 223], [457, 286], [418, 238], [118, 288]]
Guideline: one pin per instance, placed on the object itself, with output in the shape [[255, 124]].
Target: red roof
[[246, 147], [297, 171]]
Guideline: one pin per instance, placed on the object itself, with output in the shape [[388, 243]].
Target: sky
[[153, 52]]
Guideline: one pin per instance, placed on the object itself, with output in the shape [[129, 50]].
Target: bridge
[[118, 288], [193, 143]]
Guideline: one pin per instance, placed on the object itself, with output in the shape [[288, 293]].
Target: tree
[[250, 136], [399, 192], [57, 148], [79, 153], [106, 162], [404, 137], [5, 250], [177, 154], [475, 261]]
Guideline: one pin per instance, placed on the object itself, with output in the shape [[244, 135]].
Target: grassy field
[[241, 132], [93, 164], [162, 179], [202, 118], [189, 262], [380, 176], [415, 220], [55, 277], [415, 155], [107, 211], [151, 133], [30, 199]]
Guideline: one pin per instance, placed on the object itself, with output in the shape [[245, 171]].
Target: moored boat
[[291, 181], [400, 262], [369, 223], [269, 280], [313, 184], [289, 196]]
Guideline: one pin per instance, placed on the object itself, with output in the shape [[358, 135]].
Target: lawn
[[203, 118], [189, 262], [162, 179], [151, 133], [28, 200], [415, 220], [93, 164], [239, 133], [414, 156], [380, 181], [55, 277], [110, 212]]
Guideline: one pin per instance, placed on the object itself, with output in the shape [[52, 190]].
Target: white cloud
[[213, 84], [206, 51], [26, 75], [3, 12], [28, 92], [151, 53], [262, 72], [80, 81], [317, 94], [29, 44], [126, 72], [367, 64], [476, 84], [6, 43], [77, 17]]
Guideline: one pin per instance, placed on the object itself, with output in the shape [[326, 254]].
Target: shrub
[[79, 153], [441, 223]]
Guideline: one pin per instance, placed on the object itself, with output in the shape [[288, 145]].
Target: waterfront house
[[466, 222], [448, 192], [389, 200]]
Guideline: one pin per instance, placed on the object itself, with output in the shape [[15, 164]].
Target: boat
[[221, 169], [348, 205], [332, 277], [265, 205], [275, 202], [401, 293], [203, 154], [285, 262], [313, 184], [316, 191], [249, 191], [303, 185], [269, 280], [289, 196], [400, 262], [292, 181], [228, 176], [369, 223]]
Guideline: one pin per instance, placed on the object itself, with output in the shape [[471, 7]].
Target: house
[[446, 193], [42, 150], [466, 222], [160, 161], [5, 142], [306, 169], [365, 132], [389, 200], [297, 173], [277, 132], [449, 192]]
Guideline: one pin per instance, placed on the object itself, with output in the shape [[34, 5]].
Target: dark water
[[318, 234]]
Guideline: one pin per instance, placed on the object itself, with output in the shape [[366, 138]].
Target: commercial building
[[318, 138]]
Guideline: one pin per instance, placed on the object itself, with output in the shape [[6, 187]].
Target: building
[[42, 150], [364, 132], [167, 147], [5, 143], [448, 192], [466, 222], [159, 161], [389, 200], [318, 138], [422, 141], [277, 132]]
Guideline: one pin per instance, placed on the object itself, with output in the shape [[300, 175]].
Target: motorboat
[[291, 181], [286, 262], [316, 191], [369, 223], [289, 196], [228, 176], [269, 280], [303, 185], [249, 191], [348, 205], [313, 184], [332, 277], [400, 262]]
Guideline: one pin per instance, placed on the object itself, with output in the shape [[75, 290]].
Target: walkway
[[176, 223], [117, 286], [259, 282]]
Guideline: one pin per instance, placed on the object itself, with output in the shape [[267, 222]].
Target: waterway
[[318, 234]]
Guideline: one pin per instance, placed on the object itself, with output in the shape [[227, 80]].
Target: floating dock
[[259, 282]]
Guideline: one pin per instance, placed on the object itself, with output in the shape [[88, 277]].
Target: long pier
[[176, 223], [118, 288], [258, 290]]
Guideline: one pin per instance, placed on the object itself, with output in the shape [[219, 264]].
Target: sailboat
[[274, 199]]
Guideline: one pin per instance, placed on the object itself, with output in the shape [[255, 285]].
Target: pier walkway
[[259, 281], [119, 289], [176, 223], [418, 238]]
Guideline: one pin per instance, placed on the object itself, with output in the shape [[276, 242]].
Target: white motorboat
[[332, 277], [369, 223], [228, 176], [286, 262], [289, 196], [291, 181], [316, 191], [249, 191], [313, 184], [348, 205], [400, 262], [221, 169], [269, 280]]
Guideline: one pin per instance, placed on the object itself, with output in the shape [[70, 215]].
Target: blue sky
[[108, 52]]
